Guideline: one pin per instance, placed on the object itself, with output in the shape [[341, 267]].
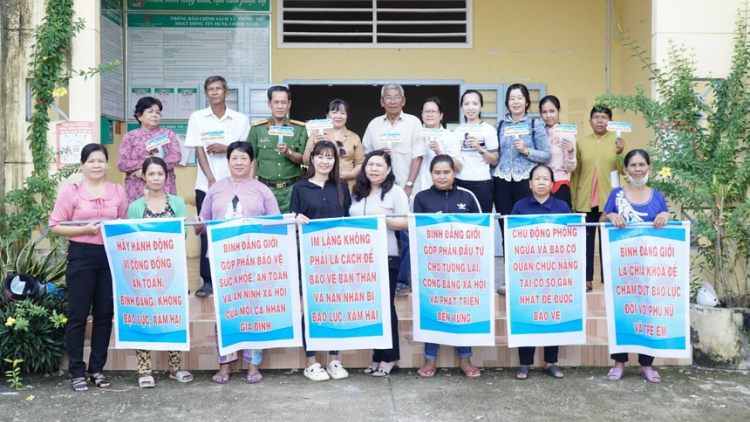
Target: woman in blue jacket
[[447, 198]]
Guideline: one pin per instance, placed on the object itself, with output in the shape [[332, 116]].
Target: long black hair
[[333, 176], [524, 92], [154, 160], [362, 186]]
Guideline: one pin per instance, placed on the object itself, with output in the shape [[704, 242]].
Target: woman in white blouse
[[375, 193]]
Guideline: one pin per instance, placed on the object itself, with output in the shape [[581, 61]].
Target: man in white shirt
[[210, 131], [398, 133]]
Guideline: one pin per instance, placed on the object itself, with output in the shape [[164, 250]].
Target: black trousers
[[394, 353], [563, 194], [526, 355], [643, 360], [205, 269], [506, 194], [482, 189], [89, 289], [593, 217]]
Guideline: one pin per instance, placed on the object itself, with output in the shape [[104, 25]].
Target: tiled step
[[204, 356]]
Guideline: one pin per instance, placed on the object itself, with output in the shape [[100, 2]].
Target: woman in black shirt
[[447, 198], [321, 194]]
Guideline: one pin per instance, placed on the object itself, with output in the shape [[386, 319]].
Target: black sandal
[[100, 381], [589, 286], [205, 290], [79, 384], [552, 371], [524, 370]]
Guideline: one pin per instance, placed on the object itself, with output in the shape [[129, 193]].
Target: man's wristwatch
[[409, 183]]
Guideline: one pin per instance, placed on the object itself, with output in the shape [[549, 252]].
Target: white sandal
[[315, 372], [336, 370], [181, 376], [146, 382]]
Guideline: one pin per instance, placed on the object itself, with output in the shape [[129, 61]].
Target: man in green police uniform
[[278, 158]]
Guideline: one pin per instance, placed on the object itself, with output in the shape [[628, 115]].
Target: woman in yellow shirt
[[590, 181]]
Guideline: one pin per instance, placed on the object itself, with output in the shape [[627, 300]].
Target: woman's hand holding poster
[[149, 283], [256, 295], [345, 284], [647, 289], [453, 273], [545, 260]]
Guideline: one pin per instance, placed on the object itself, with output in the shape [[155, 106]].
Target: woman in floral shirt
[[148, 141]]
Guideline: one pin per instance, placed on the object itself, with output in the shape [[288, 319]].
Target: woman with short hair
[[150, 140], [541, 202], [236, 196]]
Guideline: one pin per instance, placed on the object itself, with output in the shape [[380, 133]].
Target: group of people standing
[[245, 171]]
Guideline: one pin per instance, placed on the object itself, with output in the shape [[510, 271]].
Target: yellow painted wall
[[560, 44]]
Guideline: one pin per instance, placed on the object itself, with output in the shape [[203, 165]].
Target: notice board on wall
[[169, 56], [257, 6], [112, 47]]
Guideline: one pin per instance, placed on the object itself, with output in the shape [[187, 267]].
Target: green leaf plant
[[22, 210], [700, 155]]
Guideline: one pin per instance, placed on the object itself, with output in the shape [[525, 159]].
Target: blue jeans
[[404, 271], [311, 353], [431, 351]]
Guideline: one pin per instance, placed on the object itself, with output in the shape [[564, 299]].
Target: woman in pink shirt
[[238, 195], [562, 149], [149, 140], [87, 275]]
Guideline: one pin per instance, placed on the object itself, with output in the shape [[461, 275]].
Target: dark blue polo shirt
[[531, 206]]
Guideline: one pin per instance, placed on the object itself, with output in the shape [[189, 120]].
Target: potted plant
[[701, 158]]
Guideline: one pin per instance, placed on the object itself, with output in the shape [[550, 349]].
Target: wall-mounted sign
[[202, 5]]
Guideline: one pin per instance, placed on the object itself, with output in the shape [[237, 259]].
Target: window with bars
[[374, 23]]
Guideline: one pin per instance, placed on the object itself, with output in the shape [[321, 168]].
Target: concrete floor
[[585, 395]]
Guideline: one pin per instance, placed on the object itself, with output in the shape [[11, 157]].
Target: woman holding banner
[[156, 203], [376, 194], [88, 275], [523, 144], [149, 140], [321, 194], [539, 203], [445, 197], [348, 142], [562, 149], [478, 142], [236, 196], [636, 203]]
